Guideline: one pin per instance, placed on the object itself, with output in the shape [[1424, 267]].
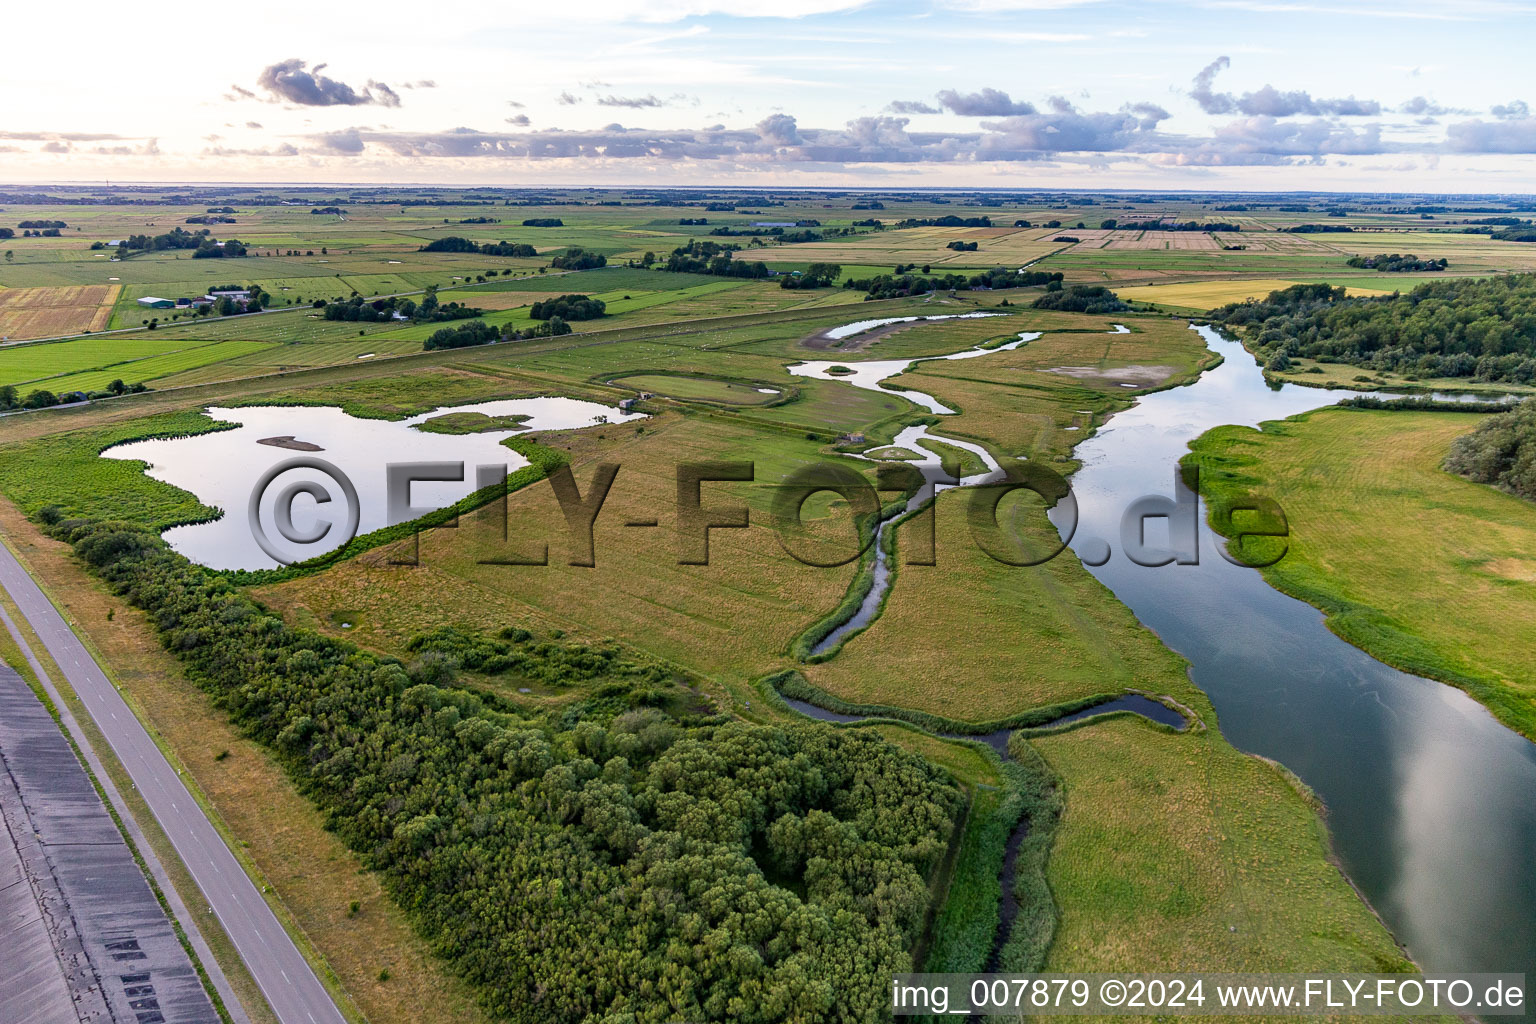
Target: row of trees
[[453, 243], [1469, 327], [428, 311], [610, 861], [577, 258], [1394, 263], [894, 286], [948, 221], [1318, 229], [1111, 224], [478, 332], [41, 398]]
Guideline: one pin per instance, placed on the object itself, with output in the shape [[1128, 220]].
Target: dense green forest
[[628, 857], [1501, 451], [1469, 327]]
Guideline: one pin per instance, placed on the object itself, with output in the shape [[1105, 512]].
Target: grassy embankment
[[1423, 570]]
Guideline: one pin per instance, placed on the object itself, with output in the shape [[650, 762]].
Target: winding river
[[1431, 802], [1430, 799]]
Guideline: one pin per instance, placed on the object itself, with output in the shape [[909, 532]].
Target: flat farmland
[[994, 246], [141, 370], [48, 312], [268, 358], [20, 364], [1204, 295], [1465, 253]]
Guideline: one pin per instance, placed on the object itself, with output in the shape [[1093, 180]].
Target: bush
[[1501, 452], [1082, 298], [569, 307], [475, 332]]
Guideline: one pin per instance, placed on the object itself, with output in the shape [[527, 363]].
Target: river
[[1431, 802]]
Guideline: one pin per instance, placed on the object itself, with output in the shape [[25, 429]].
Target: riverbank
[[1423, 570]]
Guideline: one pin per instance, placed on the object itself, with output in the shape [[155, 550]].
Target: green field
[[706, 389], [1453, 600]]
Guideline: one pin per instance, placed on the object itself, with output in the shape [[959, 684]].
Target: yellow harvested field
[[1210, 294], [46, 312]]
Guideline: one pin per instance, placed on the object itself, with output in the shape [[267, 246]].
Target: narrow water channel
[[1431, 802]]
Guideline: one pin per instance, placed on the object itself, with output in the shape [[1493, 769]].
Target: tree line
[[609, 860], [428, 311], [453, 243], [1469, 327], [1394, 263]]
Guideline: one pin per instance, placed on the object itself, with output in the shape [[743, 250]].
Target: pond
[[870, 374], [222, 468]]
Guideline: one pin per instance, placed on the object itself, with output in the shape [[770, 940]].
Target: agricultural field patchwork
[[1138, 840], [52, 312]]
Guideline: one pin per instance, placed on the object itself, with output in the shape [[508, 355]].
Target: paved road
[[290, 986]]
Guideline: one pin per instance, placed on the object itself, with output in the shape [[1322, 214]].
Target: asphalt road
[[284, 976]]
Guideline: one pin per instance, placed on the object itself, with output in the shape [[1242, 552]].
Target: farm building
[[237, 294], [151, 302]]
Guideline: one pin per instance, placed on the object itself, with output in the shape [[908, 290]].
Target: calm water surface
[[1431, 802], [222, 468]]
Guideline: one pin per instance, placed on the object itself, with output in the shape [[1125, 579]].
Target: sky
[[1263, 95]]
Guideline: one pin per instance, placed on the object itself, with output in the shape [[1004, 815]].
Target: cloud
[[521, 120], [912, 107], [57, 147], [347, 141], [223, 152], [150, 147], [1515, 108], [986, 103], [387, 97], [424, 83], [238, 93], [1511, 133], [59, 136], [565, 99], [1211, 102], [293, 81], [1424, 106], [516, 105], [779, 130], [1038, 135], [633, 102], [253, 125], [1268, 101], [1149, 114], [1060, 132]]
